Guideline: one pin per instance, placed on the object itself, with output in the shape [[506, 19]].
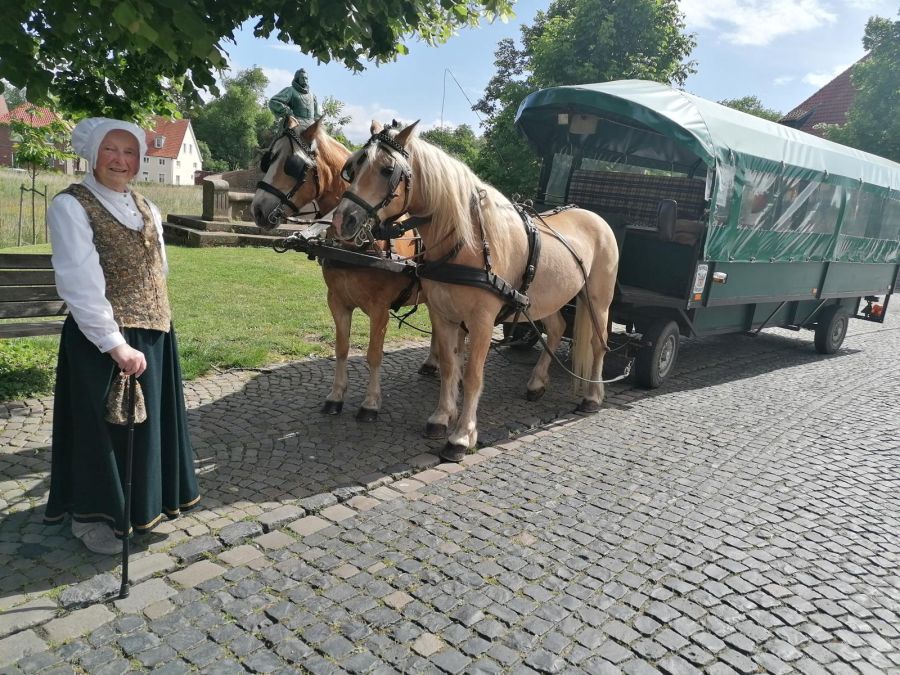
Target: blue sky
[[780, 50]]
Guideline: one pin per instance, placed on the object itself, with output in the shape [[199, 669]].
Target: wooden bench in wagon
[[29, 303]]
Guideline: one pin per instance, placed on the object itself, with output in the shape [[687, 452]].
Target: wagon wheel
[[521, 335], [655, 362], [831, 329]]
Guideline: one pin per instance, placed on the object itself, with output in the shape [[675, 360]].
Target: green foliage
[[27, 367], [209, 162], [873, 121], [124, 58], [13, 95], [37, 148], [335, 120], [576, 42], [461, 142], [234, 125], [753, 106]]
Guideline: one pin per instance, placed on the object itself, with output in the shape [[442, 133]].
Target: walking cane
[[129, 452]]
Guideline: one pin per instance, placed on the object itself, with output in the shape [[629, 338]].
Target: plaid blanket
[[636, 196]]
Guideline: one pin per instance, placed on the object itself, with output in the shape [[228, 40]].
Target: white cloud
[[819, 80], [361, 118], [284, 47], [279, 78], [783, 80], [756, 22]]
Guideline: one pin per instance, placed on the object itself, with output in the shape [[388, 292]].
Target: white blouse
[[79, 277]]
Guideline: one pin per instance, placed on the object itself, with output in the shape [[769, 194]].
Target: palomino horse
[[472, 230], [302, 177]]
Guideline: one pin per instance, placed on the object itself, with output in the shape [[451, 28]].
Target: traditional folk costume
[[110, 265]]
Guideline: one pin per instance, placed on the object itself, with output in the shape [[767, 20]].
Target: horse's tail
[[582, 351]]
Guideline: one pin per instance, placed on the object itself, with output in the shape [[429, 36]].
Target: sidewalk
[[742, 518]]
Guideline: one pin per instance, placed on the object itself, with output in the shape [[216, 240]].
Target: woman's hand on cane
[[129, 360]]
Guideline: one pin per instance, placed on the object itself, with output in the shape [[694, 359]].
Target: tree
[[335, 120], [461, 142], [753, 106], [13, 95], [873, 121], [36, 149], [210, 163], [236, 124], [121, 57], [575, 42]]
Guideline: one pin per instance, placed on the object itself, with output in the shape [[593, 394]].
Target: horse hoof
[[428, 369], [453, 453], [366, 415], [435, 430], [535, 394], [588, 407], [333, 407]]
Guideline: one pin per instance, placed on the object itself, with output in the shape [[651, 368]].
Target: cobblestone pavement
[[741, 518]]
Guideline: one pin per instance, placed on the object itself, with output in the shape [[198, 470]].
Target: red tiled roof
[[829, 105], [174, 132], [34, 115]]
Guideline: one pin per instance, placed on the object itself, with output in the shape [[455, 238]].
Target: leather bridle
[[296, 166], [399, 171]]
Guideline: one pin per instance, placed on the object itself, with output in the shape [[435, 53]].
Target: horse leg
[[465, 434], [594, 391], [378, 321], [342, 316], [450, 341], [555, 326], [432, 363]]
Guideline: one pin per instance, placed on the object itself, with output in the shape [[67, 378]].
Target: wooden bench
[[28, 291], [635, 197]]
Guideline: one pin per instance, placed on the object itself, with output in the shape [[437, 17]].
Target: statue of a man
[[296, 100]]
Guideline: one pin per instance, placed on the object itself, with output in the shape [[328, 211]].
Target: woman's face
[[117, 160]]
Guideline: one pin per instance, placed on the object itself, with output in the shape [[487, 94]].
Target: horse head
[[380, 178], [300, 168]]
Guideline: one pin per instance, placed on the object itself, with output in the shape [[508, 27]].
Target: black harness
[[443, 270], [515, 300], [296, 166]]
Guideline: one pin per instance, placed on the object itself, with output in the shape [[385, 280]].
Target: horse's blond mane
[[447, 187]]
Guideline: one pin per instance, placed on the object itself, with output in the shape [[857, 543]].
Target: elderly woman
[[110, 266]]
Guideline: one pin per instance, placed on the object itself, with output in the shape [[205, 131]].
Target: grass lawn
[[233, 307]]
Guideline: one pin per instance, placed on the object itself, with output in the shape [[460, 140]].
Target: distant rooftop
[[829, 105]]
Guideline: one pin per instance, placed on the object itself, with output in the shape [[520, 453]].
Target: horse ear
[[403, 137], [375, 127], [311, 131]]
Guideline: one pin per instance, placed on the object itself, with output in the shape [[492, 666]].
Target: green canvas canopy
[[661, 125], [775, 193]]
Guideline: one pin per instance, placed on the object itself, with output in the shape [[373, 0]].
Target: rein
[[298, 173]]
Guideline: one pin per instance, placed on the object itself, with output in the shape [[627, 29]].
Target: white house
[[172, 153]]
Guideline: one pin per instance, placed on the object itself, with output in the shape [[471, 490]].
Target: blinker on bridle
[[395, 174], [294, 167]]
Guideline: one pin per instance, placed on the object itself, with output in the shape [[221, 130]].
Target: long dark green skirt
[[88, 459]]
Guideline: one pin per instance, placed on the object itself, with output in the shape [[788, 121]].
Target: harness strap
[[464, 275]]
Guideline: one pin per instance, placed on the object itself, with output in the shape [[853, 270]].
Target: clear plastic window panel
[[758, 200]]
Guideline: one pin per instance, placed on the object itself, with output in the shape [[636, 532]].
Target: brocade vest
[[132, 263]]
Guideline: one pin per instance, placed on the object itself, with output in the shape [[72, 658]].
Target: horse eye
[[387, 171], [347, 173]]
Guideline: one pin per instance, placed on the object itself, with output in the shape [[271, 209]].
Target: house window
[[146, 160], [162, 162], [159, 141], [162, 178], [145, 175], [177, 180], [195, 165], [177, 162]]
